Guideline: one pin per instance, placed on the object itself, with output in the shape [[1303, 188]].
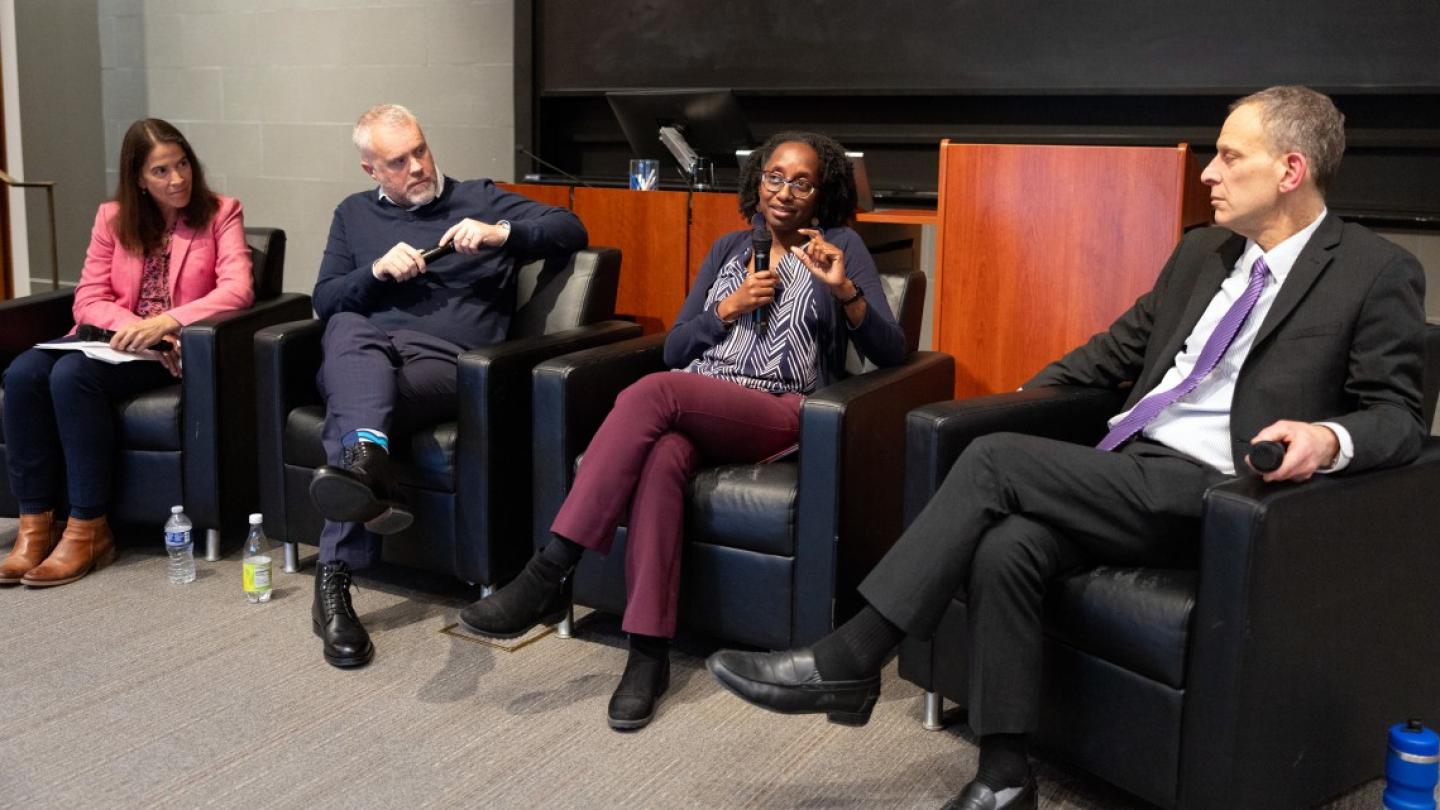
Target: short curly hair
[[835, 200]]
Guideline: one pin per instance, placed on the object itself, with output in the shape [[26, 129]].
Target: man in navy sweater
[[394, 326]]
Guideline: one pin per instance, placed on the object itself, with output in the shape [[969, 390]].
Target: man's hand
[[1307, 448], [471, 235], [140, 335], [400, 263]]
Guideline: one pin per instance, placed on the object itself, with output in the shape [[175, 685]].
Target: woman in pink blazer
[[164, 253]]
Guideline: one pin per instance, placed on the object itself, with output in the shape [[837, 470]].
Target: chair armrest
[[34, 319], [849, 503], [1314, 614], [493, 459], [572, 395], [937, 434], [287, 356], [219, 395]]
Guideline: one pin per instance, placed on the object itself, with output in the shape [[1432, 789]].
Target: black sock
[[650, 648], [1003, 762], [857, 648], [562, 554]]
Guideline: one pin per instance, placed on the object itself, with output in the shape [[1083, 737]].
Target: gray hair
[[392, 115], [1298, 119]]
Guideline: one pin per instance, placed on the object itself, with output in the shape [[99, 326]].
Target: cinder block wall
[[267, 91]]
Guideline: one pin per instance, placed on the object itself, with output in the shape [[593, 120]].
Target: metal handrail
[[49, 186]]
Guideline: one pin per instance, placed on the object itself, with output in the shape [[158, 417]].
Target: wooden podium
[[1040, 247]]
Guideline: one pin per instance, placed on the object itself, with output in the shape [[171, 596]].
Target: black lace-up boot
[[361, 490], [346, 642]]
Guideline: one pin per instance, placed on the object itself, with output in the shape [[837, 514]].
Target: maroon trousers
[[643, 456]]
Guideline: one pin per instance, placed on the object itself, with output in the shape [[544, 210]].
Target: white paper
[[95, 350]]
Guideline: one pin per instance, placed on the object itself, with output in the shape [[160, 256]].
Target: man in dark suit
[[1284, 324]]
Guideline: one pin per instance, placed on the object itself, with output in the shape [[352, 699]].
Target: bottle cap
[[255, 518], [1421, 742], [176, 509]]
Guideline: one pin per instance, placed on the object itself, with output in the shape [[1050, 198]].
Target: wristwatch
[[859, 293]]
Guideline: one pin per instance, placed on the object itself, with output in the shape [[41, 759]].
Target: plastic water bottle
[[255, 565], [180, 547], [1412, 767]]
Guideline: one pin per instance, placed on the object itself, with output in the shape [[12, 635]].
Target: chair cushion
[[744, 506], [151, 421], [426, 458], [1137, 618]]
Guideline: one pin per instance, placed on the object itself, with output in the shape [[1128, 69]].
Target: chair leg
[[566, 627], [212, 545], [292, 558], [934, 712]]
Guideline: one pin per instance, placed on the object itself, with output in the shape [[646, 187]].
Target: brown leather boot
[[85, 546], [32, 545]]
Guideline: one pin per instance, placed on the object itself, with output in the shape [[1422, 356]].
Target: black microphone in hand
[[438, 252], [760, 242], [1267, 456], [87, 331]]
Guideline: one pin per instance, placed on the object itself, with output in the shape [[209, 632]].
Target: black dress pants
[[1014, 513]]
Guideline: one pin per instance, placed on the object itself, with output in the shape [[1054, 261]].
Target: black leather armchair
[[185, 443], [769, 548], [467, 478], [1264, 678]]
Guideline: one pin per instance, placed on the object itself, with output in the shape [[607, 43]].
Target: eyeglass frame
[[780, 181]]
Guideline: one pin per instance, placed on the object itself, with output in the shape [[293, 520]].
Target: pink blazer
[[209, 271]]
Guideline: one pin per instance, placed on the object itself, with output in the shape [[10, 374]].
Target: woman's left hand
[[142, 335], [171, 359], [825, 261]]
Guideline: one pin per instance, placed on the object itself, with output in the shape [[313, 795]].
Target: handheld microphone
[[1267, 456], [520, 148], [760, 242], [87, 331], [438, 252]]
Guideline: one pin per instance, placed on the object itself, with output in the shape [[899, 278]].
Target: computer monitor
[[698, 127], [864, 197]]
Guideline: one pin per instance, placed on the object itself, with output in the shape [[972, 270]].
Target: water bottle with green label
[[255, 563]]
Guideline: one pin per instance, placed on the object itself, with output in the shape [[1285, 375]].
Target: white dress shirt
[[1198, 424]]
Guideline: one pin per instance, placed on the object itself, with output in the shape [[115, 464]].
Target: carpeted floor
[[124, 691]]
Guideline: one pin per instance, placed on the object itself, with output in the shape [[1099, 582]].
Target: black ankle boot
[[646, 678], [539, 595], [346, 642], [361, 490]]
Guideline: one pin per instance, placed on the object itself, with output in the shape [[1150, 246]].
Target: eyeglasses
[[800, 187]]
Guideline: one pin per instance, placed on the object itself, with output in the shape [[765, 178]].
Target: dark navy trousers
[[61, 405], [387, 381]]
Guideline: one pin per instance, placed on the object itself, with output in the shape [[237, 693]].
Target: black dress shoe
[[334, 620], [540, 594], [362, 490], [976, 796], [633, 704], [788, 682]]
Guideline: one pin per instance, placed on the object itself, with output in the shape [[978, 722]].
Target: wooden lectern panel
[[1042, 246], [558, 196], [649, 228], [712, 215]]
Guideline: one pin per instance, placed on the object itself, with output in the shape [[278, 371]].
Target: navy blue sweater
[[698, 329], [467, 300]]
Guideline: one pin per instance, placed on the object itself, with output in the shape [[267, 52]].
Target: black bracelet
[[859, 293]]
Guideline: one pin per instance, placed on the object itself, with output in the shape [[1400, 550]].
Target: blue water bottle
[[1411, 767]]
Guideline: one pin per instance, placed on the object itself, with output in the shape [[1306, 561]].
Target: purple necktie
[[1150, 407]]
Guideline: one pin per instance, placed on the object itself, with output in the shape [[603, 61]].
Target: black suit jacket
[[1343, 342]]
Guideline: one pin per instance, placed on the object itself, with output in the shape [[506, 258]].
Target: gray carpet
[[124, 691]]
